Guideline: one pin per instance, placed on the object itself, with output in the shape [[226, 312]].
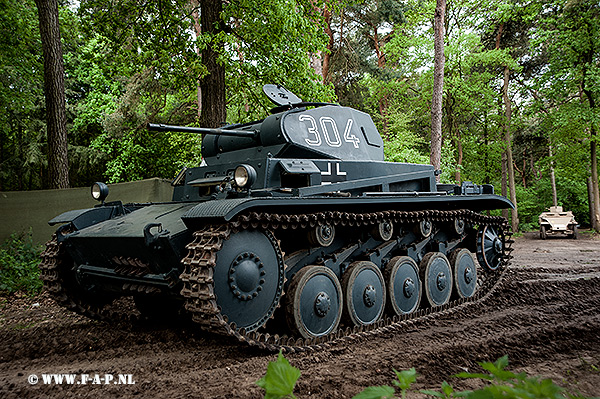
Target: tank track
[[199, 264], [52, 258]]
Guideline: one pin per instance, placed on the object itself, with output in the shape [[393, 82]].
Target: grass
[[19, 260]]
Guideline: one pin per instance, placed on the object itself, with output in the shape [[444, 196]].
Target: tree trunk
[[486, 141], [503, 185], [327, 54], [454, 132], [195, 5], [1, 161], [212, 86], [509, 157], [459, 159], [438, 86], [590, 190], [595, 215], [594, 178], [552, 179], [54, 91], [316, 63]]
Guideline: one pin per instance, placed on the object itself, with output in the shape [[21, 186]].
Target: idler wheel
[[490, 247], [322, 235], [437, 278], [248, 278], [364, 293], [465, 273], [314, 302], [403, 285], [383, 231]]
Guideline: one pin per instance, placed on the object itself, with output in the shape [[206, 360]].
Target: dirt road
[[545, 317]]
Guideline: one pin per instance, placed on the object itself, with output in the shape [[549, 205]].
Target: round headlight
[[99, 191], [244, 176]]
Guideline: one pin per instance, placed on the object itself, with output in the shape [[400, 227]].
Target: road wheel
[[364, 293], [403, 285], [437, 278], [465, 273], [314, 302]]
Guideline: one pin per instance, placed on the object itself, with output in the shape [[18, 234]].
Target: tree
[[213, 105], [570, 35], [176, 67], [54, 90], [438, 85], [371, 25], [21, 98], [508, 33]]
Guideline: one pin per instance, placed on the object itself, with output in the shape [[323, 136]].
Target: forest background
[[520, 78]]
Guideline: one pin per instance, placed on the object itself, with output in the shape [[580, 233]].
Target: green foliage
[[280, 379], [502, 384], [19, 260], [506, 384], [446, 391], [379, 392], [271, 42], [22, 135], [140, 154], [405, 379]]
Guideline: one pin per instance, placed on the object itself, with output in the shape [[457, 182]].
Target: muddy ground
[[545, 317]]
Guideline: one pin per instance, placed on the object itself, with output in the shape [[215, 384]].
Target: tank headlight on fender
[[99, 191], [244, 176]]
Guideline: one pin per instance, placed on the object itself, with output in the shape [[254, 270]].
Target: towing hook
[[151, 239]]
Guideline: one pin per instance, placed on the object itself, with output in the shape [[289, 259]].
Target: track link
[[54, 277]]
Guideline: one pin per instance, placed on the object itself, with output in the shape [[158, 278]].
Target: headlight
[[99, 191], [244, 176]]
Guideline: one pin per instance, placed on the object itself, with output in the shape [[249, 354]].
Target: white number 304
[[330, 131]]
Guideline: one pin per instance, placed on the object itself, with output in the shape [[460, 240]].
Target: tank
[[292, 233], [557, 222]]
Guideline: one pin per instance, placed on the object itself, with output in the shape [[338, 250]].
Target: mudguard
[[82, 218], [229, 208]]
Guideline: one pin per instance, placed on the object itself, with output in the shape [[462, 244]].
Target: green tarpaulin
[[21, 211]]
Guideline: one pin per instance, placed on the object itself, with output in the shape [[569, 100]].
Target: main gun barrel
[[203, 130]]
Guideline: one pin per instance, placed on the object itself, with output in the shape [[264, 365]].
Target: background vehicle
[[556, 221]]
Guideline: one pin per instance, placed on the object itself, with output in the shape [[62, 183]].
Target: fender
[[227, 209], [82, 218]]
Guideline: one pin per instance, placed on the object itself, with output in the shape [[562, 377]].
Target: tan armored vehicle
[[557, 221]]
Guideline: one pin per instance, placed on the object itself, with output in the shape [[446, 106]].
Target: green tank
[[294, 232]]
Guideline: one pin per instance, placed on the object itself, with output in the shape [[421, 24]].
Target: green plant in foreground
[[506, 384], [404, 381], [19, 259], [503, 384], [280, 379]]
